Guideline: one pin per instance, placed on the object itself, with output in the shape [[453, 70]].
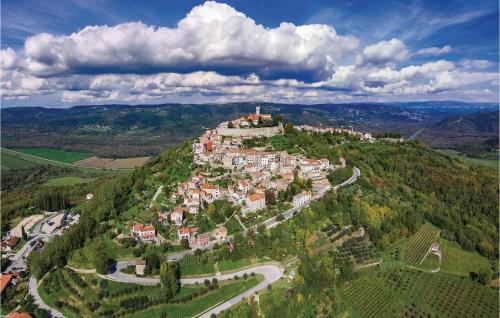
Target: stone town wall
[[250, 132]]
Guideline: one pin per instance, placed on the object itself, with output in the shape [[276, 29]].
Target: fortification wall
[[250, 132]]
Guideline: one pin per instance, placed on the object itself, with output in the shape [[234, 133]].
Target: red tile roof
[[19, 315], [256, 197], [4, 282]]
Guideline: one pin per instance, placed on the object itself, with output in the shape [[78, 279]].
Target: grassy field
[[54, 154], [65, 181], [403, 292], [420, 243], [230, 265], [470, 160], [86, 295], [196, 269], [457, 261], [10, 160]]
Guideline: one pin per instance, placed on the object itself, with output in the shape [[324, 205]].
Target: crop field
[[77, 295], [54, 154], [421, 242], [125, 163], [457, 261], [403, 292], [10, 160], [368, 298]]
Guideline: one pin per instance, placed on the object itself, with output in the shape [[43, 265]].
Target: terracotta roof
[[140, 262], [303, 193], [141, 228], [256, 197], [208, 186], [188, 230], [11, 242], [19, 315], [4, 281]]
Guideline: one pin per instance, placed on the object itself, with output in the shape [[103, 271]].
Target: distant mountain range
[[474, 134], [128, 130]]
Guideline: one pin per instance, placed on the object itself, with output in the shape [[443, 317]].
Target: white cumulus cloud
[[434, 51]]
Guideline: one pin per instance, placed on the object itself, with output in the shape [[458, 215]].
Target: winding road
[[271, 273]]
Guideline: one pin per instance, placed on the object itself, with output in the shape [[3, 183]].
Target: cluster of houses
[[253, 171]]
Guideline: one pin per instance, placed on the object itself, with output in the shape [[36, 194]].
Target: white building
[[302, 198], [256, 202], [177, 216]]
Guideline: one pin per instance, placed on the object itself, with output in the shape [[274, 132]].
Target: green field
[[457, 261], [10, 160], [470, 160], [54, 154], [83, 295], [400, 292], [65, 181], [421, 242]]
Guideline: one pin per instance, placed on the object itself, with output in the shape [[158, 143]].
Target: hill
[[404, 188], [144, 130], [474, 134]]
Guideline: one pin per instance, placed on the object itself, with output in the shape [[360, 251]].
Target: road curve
[[271, 274], [33, 288]]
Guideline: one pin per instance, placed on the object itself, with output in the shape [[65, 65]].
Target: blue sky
[[62, 53]]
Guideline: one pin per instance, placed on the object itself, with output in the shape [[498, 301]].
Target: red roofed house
[[10, 243], [256, 202], [16, 314], [187, 232], [144, 233], [244, 185], [210, 188], [5, 280]]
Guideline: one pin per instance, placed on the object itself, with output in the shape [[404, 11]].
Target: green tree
[[270, 197], [170, 275], [346, 272], [102, 263], [484, 275], [185, 244], [23, 233]]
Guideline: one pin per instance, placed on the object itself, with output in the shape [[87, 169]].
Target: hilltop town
[[257, 181]]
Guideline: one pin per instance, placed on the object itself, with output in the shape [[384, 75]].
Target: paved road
[[33, 288], [352, 179], [157, 193], [271, 274]]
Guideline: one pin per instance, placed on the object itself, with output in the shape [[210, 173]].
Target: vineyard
[[402, 292], [420, 243], [368, 297]]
